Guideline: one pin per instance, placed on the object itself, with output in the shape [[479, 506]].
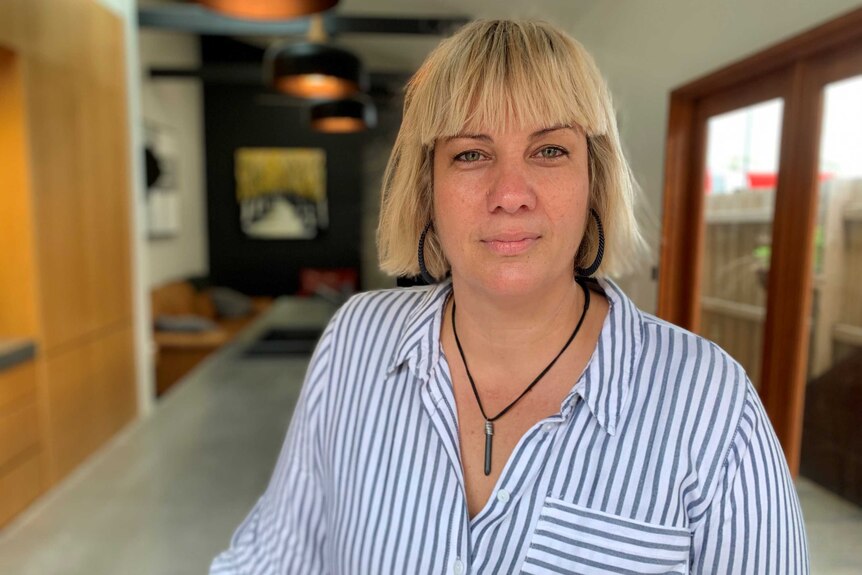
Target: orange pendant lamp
[[268, 9], [314, 69]]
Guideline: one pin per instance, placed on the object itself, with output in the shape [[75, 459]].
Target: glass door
[[759, 230], [742, 153], [831, 435], [762, 253]]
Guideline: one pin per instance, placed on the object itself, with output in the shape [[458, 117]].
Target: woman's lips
[[510, 245]]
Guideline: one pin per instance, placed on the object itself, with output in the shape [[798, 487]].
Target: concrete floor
[[834, 527], [165, 496]]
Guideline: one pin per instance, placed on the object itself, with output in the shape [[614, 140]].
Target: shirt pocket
[[573, 539]]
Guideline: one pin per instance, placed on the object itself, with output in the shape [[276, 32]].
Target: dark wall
[[237, 116]]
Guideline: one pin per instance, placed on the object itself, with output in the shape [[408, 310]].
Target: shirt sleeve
[[753, 524], [285, 531]]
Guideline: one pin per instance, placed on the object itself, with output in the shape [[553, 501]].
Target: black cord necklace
[[489, 421]]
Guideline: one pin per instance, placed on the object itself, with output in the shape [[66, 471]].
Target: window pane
[[832, 436], [741, 174]]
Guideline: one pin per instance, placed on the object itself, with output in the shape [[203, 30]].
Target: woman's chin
[[511, 281]]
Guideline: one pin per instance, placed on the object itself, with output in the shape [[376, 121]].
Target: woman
[[515, 416]]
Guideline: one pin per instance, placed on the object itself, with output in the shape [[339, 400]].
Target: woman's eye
[[551, 152], [469, 156]]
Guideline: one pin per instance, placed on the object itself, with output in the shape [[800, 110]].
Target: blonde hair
[[490, 73]]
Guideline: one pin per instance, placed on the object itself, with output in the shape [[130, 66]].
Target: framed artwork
[[163, 204], [281, 192]]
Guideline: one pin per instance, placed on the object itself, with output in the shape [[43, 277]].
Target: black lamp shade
[[343, 116], [316, 71]]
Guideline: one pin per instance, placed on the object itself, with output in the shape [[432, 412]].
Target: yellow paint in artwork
[[273, 171]]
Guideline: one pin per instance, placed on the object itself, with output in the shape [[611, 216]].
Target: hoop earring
[[591, 269], [429, 279]]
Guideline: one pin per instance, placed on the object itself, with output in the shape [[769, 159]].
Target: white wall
[[648, 48], [176, 106], [125, 9], [645, 48]]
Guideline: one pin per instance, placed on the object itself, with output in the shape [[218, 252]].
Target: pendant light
[[313, 69], [268, 9], [343, 116]]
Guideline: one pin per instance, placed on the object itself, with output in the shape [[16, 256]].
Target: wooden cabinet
[[65, 240], [21, 445], [89, 396]]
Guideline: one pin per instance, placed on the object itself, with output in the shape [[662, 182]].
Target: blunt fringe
[[490, 73]]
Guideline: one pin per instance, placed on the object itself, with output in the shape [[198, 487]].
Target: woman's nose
[[511, 190]]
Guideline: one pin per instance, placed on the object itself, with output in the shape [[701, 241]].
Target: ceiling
[[404, 53]]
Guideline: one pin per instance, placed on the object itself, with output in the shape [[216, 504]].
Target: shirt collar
[[419, 342], [607, 379]]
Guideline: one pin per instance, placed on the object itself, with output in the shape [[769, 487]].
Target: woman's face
[[510, 206]]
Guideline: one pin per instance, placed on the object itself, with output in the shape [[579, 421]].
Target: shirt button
[[458, 567], [548, 427], [502, 496]]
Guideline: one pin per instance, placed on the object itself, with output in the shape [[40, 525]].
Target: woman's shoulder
[[685, 345], [385, 311], [413, 292], [665, 348], [706, 391], [364, 305], [702, 377]]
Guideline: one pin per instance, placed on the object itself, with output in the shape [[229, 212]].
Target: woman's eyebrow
[[544, 131], [483, 137], [487, 138]]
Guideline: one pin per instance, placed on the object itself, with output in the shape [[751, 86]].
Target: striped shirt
[[660, 460]]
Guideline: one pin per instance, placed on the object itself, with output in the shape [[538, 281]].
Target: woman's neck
[[510, 327]]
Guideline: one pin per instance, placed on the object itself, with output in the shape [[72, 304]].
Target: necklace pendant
[[489, 434]]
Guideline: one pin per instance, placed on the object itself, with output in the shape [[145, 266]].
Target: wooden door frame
[[796, 70]]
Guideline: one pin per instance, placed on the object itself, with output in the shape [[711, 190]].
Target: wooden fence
[[736, 265]]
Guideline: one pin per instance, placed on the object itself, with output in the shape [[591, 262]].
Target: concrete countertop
[[15, 351]]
